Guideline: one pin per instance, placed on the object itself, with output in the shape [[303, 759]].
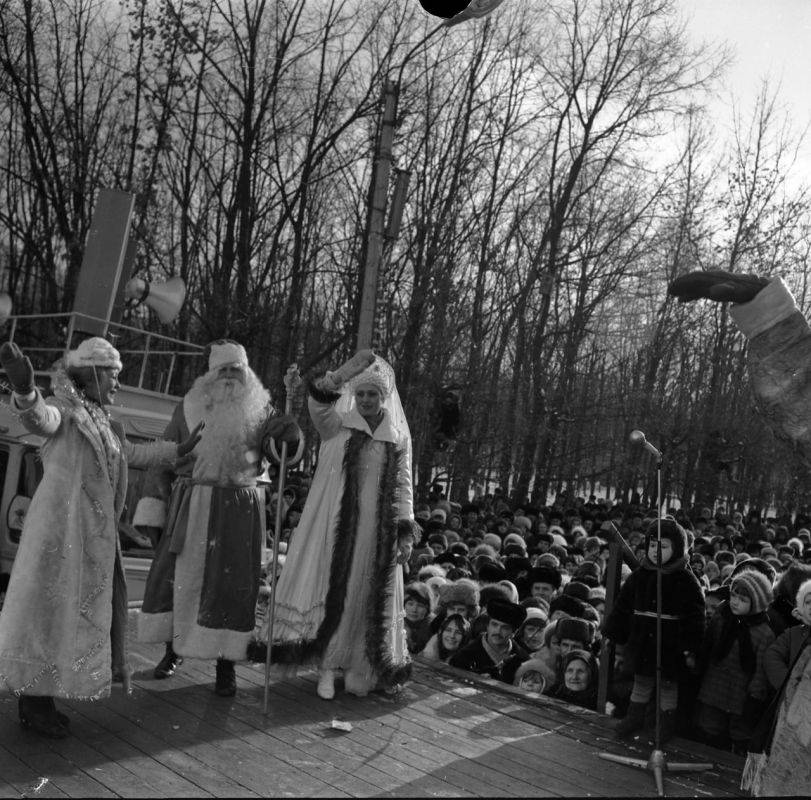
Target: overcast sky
[[770, 37]]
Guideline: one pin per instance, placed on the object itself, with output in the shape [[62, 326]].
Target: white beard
[[233, 414]]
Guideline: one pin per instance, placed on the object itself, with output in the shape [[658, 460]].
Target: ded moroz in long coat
[[63, 623]]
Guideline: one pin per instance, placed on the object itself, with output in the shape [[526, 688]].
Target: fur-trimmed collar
[[384, 432]]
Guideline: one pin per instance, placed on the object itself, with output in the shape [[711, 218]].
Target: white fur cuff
[[771, 305], [151, 512]]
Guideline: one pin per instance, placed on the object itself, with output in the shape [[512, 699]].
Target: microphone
[[637, 437]]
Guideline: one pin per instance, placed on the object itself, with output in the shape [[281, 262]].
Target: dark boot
[[168, 664], [40, 715], [633, 721], [226, 685], [667, 725]]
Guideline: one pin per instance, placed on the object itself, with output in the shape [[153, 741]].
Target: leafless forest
[[564, 169]]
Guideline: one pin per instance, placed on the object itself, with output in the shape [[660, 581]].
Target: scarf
[[736, 629]]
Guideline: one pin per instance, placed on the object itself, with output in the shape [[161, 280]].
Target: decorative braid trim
[[378, 647], [322, 395]]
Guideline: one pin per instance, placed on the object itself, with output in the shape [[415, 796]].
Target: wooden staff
[[291, 381]]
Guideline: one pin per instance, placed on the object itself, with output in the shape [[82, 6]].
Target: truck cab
[[143, 404]]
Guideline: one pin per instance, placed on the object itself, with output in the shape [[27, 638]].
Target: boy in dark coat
[[632, 623]]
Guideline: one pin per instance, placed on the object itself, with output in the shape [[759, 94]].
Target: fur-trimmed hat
[[544, 575], [504, 611], [754, 585], [224, 352], [588, 572], [568, 605], [494, 540], [577, 629], [93, 352], [535, 665], [549, 560], [492, 573]]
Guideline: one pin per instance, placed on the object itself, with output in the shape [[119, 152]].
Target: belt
[[654, 615]]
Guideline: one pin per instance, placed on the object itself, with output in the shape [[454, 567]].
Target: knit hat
[[509, 613], [577, 629], [568, 605], [754, 585], [757, 564], [94, 352], [544, 575]]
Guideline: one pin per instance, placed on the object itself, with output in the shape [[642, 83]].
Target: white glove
[[334, 380]]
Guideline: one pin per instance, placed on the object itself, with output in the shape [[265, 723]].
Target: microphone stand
[[657, 761]]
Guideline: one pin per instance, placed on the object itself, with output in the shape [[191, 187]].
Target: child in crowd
[[783, 652], [418, 614], [734, 687], [534, 677], [632, 622]]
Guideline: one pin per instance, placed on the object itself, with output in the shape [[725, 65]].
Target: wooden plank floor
[[442, 737]]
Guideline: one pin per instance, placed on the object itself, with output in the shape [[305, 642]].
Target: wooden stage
[[440, 737]]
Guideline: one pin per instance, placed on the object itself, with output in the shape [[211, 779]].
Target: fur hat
[[439, 514], [673, 532], [569, 605], [535, 665], [494, 540], [549, 560], [539, 615], [93, 352], [544, 575], [438, 538], [754, 585], [463, 590], [492, 573], [522, 522], [577, 629], [577, 589], [420, 592], [588, 572], [504, 611]]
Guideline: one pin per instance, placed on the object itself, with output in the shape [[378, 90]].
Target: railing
[[159, 359]]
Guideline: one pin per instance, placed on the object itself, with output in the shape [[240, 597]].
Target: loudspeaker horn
[[165, 299]]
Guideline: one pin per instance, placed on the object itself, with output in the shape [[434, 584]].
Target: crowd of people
[[517, 593]]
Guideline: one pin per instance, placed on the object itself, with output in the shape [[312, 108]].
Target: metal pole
[[291, 380], [377, 211]]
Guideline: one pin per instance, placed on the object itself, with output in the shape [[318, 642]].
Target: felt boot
[[226, 685], [40, 715], [326, 684], [633, 721]]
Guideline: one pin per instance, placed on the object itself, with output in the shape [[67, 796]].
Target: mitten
[[715, 284], [283, 429], [18, 368]]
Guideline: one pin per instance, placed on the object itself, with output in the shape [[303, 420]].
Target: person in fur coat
[[340, 598], [64, 620], [632, 623]]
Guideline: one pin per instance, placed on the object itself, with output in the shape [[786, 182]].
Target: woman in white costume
[[339, 601]]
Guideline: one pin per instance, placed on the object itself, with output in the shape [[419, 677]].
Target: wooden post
[[377, 212]]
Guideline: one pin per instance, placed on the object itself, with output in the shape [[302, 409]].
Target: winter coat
[[725, 684], [632, 621], [474, 658], [64, 621], [782, 653]]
